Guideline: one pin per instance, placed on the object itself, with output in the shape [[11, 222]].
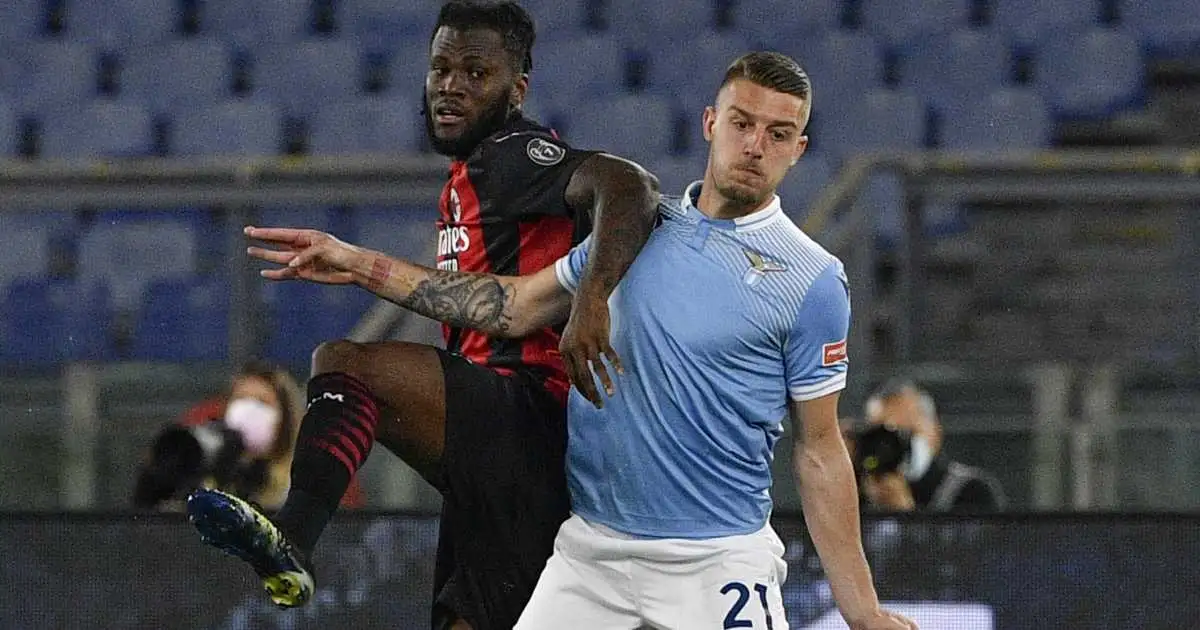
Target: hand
[[307, 255], [884, 620], [889, 491], [585, 345]]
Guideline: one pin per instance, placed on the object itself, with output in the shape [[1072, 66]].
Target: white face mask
[[919, 459], [256, 421]]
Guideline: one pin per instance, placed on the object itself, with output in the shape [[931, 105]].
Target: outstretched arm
[[501, 306], [622, 199]]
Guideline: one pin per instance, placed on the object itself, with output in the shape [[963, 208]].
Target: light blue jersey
[[718, 323]]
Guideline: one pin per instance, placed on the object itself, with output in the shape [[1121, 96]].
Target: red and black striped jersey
[[503, 211]]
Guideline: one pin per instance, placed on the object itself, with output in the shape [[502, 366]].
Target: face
[[255, 388], [756, 135], [904, 411], [470, 90]]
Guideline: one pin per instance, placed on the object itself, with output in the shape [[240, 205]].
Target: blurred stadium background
[[1012, 183]]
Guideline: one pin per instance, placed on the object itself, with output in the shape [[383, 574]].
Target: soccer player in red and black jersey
[[484, 420]]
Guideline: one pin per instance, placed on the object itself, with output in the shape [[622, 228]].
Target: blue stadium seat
[[303, 315], [9, 136], [901, 22], [878, 120], [577, 68], [377, 20], [1028, 22], [1090, 73], [232, 128], [407, 69], [842, 65], [963, 65], [126, 255], [1007, 118], [773, 22], [313, 217], [636, 22], [193, 72], [183, 319], [368, 125], [1166, 26], [675, 172], [804, 183], [116, 24], [24, 247], [250, 24], [23, 21], [693, 72], [402, 231], [557, 19], [55, 74], [100, 129], [639, 127], [301, 77], [45, 321]]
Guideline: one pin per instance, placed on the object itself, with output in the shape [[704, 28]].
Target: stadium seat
[[100, 129], [46, 321], [842, 65], [313, 217], [23, 21], [378, 20], [232, 128], [300, 77], [24, 247], [902, 22], [1028, 22], [1090, 73], [250, 24], [577, 68], [402, 231], [558, 19], [962, 65], [878, 120], [194, 72], [367, 125], [127, 255], [118, 24], [804, 183], [303, 315], [1166, 26], [773, 22], [693, 72], [1007, 118], [407, 68], [675, 172], [9, 136], [639, 127], [55, 74], [183, 319], [636, 23]]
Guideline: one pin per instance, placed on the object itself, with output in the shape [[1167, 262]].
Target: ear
[[801, 147], [520, 89], [708, 120]]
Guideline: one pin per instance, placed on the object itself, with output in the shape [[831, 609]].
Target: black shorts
[[504, 491]]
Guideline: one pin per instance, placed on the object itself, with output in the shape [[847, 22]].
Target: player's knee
[[347, 357]]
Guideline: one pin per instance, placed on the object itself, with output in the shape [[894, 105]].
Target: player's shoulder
[[525, 143], [793, 245]]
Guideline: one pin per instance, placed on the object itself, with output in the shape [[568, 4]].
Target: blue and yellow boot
[[241, 530]]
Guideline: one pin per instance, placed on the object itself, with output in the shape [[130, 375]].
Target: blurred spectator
[[241, 441], [899, 461]]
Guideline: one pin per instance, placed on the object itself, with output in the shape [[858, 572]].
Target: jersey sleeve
[[530, 171], [569, 268], [815, 356]]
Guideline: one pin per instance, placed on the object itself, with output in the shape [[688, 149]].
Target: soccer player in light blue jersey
[[729, 320]]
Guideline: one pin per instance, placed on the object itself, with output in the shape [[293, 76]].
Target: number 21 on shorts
[[735, 617]]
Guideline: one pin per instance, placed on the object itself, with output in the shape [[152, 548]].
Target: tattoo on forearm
[[463, 300], [380, 270]]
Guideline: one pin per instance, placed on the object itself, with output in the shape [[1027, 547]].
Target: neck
[[714, 205]]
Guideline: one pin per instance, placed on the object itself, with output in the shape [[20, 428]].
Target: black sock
[[335, 437]]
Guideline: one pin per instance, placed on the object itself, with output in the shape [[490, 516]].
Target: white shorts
[[599, 579]]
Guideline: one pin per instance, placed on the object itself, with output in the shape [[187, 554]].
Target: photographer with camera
[[898, 459], [247, 450]]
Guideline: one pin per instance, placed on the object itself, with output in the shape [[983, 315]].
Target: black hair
[[771, 70], [506, 18]]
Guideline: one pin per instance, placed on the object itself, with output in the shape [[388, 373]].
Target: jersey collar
[[753, 221]]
